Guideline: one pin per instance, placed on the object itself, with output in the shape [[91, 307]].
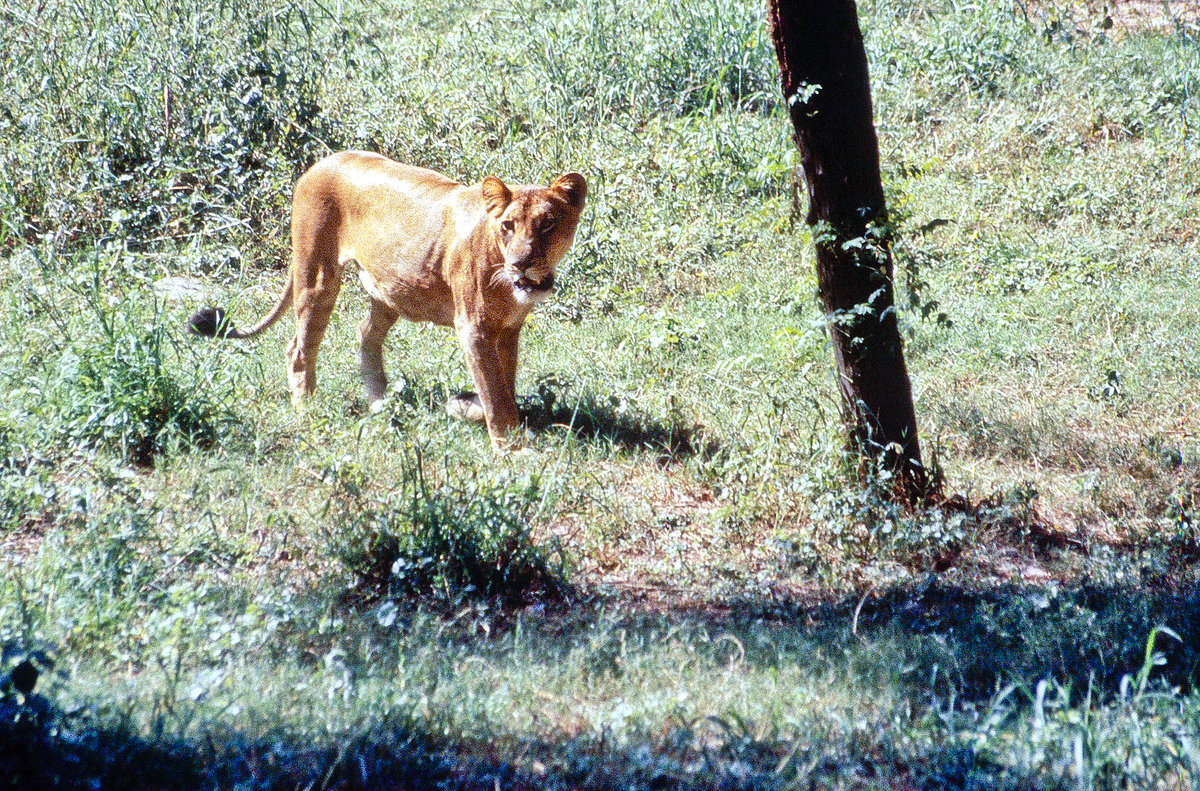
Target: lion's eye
[[507, 226], [548, 225]]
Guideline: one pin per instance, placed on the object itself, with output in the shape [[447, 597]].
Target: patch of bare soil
[[21, 544], [1119, 17], [1152, 14]]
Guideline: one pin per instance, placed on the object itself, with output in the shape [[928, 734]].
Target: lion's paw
[[466, 406]]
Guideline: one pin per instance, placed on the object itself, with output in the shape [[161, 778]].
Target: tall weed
[[683, 58], [198, 116], [113, 374]]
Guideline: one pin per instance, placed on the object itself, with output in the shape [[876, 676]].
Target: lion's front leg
[[490, 356], [506, 354]]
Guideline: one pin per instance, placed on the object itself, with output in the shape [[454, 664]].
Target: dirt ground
[[1119, 17]]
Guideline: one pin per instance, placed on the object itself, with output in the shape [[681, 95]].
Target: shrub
[[26, 487], [111, 373], [198, 116], [443, 542], [120, 395]]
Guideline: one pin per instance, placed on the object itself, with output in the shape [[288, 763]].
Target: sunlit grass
[[721, 596]]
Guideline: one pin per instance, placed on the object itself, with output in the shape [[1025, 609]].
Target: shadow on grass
[[1087, 635], [941, 645], [42, 747], [588, 417], [611, 421]]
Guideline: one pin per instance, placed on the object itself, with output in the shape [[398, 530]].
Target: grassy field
[[686, 584]]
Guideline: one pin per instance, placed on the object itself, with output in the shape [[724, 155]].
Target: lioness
[[475, 258]]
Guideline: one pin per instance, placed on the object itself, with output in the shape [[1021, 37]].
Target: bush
[[26, 487], [198, 117], [120, 395], [443, 543], [111, 374]]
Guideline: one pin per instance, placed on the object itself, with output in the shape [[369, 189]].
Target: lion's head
[[535, 227]]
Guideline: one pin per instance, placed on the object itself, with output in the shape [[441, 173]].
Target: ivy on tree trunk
[[823, 69]]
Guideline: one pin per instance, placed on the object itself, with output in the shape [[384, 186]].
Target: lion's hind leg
[[313, 311], [316, 281]]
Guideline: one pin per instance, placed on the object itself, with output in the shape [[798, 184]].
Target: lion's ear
[[572, 188], [496, 196]]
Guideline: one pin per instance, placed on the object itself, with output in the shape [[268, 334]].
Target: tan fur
[[476, 258]]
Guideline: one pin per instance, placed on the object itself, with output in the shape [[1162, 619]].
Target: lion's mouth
[[525, 284]]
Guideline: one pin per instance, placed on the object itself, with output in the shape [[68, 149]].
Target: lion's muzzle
[[527, 290]]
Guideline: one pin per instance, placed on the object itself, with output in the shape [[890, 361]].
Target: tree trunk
[[825, 82]]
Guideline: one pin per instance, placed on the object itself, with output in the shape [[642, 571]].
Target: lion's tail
[[211, 322]]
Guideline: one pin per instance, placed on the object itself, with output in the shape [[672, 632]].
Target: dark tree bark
[[825, 82]]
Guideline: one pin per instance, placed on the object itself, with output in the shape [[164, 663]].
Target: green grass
[[687, 584]]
